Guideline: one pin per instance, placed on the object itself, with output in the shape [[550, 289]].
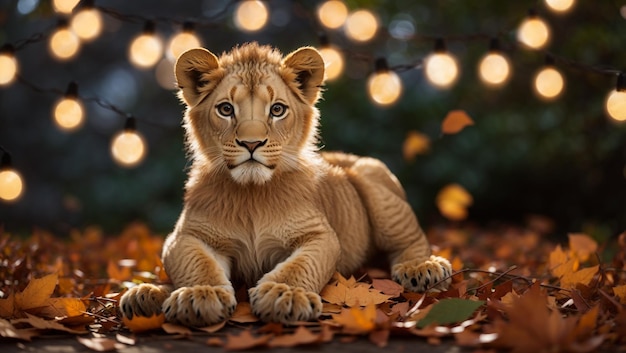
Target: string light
[[68, 111], [183, 41], [64, 44], [11, 184], [147, 48], [494, 68], [549, 82], [332, 14], [533, 32], [87, 22], [361, 26], [333, 59], [64, 6], [560, 5], [440, 66], [8, 65], [251, 15], [128, 147], [384, 86], [616, 100]]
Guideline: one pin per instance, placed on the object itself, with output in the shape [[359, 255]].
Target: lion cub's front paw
[[200, 306], [279, 302], [420, 276], [142, 300]]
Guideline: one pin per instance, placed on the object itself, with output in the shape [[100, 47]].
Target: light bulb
[[11, 184], [361, 26], [494, 68], [560, 5], [549, 83], [68, 113], [333, 61], [384, 86], [128, 147], [533, 32], [332, 14], [64, 6], [64, 44], [251, 15], [8, 65], [616, 100], [182, 42], [87, 23], [441, 67], [146, 49]]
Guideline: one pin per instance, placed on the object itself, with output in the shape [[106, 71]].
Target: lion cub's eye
[[278, 110], [225, 109]]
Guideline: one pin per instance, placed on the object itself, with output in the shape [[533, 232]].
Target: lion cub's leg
[[144, 300], [289, 293]]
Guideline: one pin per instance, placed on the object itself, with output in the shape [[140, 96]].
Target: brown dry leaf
[[455, 121], [245, 340], [587, 323], [36, 293], [213, 328], [387, 286], [556, 260], [415, 143], [63, 307], [174, 329], [214, 342], [100, 344], [7, 307], [328, 308], [360, 294], [118, 273], [357, 320], [243, 314], [7, 330], [582, 246], [620, 292], [43, 324], [584, 276], [142, 323], [301, 336]]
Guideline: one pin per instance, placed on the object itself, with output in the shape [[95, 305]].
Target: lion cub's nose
[[251, 145]]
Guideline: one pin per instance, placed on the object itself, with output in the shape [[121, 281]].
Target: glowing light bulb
[[361, 26], [441, 67], [182, 42], [251, 15], [64, 44], [533, 32], [87, 23], [332, 14], [384, 86], [549, 83], [11, 184], [8, 65], [616, 100], [128, 147], [333, 61], [560, 5], [64, 6], [494, 68], [146, 49]]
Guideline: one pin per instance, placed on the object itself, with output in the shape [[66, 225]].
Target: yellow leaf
[[584, 276], [415, 143], [620, 292], [142, 323], [357, 320], [37, 292], [582, 246], [66, 307], [453, 200], [455, 121]]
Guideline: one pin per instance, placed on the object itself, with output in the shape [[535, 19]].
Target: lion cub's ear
[[192, 69], [308, 66]]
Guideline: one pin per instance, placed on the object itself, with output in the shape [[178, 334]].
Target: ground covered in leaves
[[513, 289]]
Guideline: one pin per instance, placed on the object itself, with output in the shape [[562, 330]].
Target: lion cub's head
[[251, 112]]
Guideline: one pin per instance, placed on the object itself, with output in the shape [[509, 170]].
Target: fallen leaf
[[213, 328], [174, 329], [301, 336], [63, 307], [100, 344], [455, 121], [415, 143], [357, 320], [387, 286], [243, 314], [358, 295], [556, 260], [36, 293], [620, 292], [7, 330], [584, 276], [450, 311], [214, 342], [43, 324], [379, 337], [245, 340], [7, 307], [142, 323], [582, 246]]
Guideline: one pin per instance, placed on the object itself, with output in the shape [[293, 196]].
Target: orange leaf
[[557, 259], [357, 320], [7, 306], [213, 328], [243, 314], [142, 323], [582, 245], [359, 295], [301, 336], [584, 276], [620, 292], [387, 286], [63, 307], [415, 143], [245, 340], [174, 329], [455, 121], [37, 292], [9, 331]]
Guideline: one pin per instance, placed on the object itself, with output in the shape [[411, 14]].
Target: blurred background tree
[[563, 159]]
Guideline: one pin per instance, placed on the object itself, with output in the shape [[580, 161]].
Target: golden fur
[[264, 208]]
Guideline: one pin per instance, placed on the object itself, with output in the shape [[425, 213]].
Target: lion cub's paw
[[279, 302], [200, 306], [420, 276], [142, 300]]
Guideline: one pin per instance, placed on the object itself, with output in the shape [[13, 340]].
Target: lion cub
[[263, 208]]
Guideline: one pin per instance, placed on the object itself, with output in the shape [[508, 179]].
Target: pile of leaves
[[512, 289]]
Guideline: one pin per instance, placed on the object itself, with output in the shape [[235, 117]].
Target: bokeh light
[[533, 32], [128, 148], [68, 113], [560, 5], [332, 14], [181, 42], [384, 87], [8, 67], [64, 6], [494, 69], [251, 15], [64, 44], [361, 26], [549, 83], [333, 61], [616, 105], [87, 24], [441, 69], [11, 185], [146, 49]]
